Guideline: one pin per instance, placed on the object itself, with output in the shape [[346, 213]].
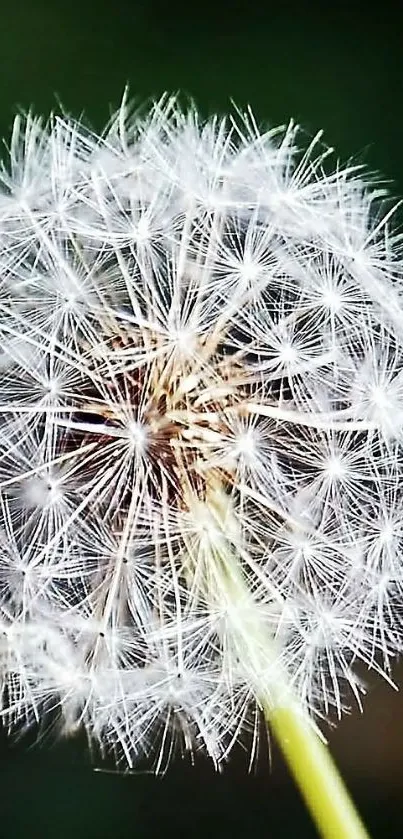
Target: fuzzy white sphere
[[201, 428]]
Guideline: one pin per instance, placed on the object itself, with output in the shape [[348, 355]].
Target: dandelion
[[201, 429]]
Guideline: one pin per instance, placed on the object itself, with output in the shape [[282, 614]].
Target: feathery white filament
[[201, 428]]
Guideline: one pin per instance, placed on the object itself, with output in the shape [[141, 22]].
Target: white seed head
[[201, 429]]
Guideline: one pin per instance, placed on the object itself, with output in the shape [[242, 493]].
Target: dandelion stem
[[316, 776], [308, 758]]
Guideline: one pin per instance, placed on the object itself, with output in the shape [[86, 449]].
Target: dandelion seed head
[[40, 492], [138, 435], [201, 429], [246, 445]]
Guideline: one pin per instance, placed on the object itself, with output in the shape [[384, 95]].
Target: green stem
[[316, 775], [213, 564]]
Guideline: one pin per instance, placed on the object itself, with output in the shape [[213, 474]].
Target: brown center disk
[[182, 405]]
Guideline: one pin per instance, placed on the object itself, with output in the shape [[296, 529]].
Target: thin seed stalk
[[316, 775], [223, 585]]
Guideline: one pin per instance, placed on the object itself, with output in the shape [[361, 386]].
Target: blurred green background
[[336, 67]]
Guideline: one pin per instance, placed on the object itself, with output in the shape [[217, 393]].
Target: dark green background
[[329, 65], [337, 67]]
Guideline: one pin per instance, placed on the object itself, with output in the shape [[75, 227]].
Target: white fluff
[[201, 428]]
